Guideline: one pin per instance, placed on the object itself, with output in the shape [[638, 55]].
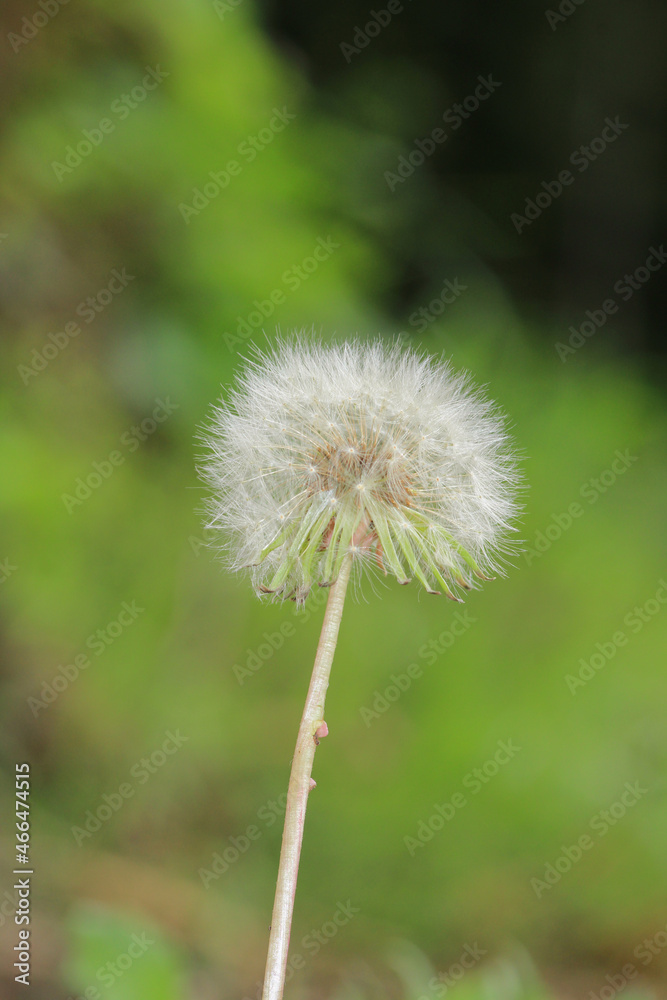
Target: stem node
[[321, 731]]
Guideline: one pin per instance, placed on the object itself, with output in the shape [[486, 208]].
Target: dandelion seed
[[408, 452]]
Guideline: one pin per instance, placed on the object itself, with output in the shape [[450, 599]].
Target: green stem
[[299, 788]]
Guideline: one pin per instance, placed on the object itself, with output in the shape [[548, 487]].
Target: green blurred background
[[115, 116]]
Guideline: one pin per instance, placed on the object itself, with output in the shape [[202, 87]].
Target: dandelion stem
[[312, 726]]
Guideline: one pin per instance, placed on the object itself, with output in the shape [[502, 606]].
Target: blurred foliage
[[174, 859], [124, 961]]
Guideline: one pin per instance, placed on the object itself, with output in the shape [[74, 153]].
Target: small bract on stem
[[330, 460]]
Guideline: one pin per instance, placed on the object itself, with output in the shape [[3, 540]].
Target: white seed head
[[358, 449]]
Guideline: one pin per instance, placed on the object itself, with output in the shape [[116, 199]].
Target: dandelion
[[333, 459]]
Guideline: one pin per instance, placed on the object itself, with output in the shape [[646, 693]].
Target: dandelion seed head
[[358, 449]]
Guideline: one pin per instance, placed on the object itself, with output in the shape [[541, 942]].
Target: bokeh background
[[133, 284]]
